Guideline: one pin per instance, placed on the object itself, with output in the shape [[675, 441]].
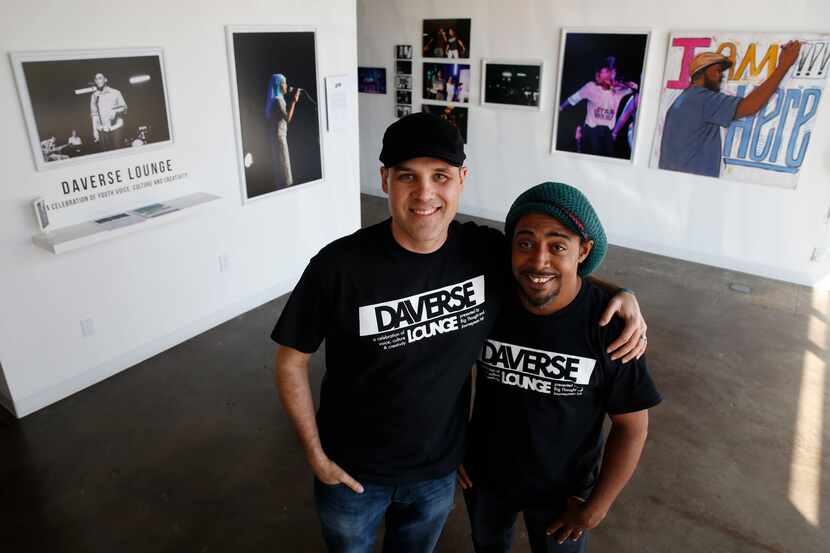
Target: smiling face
[[545, 256], [423, 200]]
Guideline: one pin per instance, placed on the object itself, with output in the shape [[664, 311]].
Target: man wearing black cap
[[545, 383], [404, 307]]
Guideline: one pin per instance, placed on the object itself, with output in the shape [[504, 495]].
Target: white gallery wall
[[152, 289], [746, 227]]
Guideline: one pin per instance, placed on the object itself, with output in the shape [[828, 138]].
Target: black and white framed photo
[[403, 52], [403, 82], [511, 84], [276, 106], [371, 80], [447, 82], [600, 78], [403, 96], [81, 105], [402, 111], [403, 67], [446, 38], [457, 116]]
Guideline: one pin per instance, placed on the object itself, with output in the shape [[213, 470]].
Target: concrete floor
[[190, 451]]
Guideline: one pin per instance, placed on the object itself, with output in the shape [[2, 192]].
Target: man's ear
[[384, 179], [584, 249], [462, 174]]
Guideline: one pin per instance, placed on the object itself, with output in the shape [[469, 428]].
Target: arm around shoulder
[[631, 343]]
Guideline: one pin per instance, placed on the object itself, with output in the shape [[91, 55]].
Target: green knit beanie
[[570, 207]]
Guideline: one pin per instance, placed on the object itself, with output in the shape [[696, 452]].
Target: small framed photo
[[403, 52], [371, 80], [447, 82], [403, 67], [457, 116], [402, 111], [511, 84], [403, 96], [446, 38], [276, 99], [403, 82], [600, 78], [81, 105]]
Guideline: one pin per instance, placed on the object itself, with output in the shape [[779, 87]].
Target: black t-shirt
[[543, 387], [402, 332]]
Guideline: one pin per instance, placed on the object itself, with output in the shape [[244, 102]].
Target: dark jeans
[[111, 140], [493, 516], [415, 515], [597, 140]]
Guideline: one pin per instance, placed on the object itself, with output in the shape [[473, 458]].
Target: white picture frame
[[241, 155], [486, 63], [564, 80], [48, 79]]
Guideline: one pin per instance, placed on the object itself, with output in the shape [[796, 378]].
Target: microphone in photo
[[292, 90]]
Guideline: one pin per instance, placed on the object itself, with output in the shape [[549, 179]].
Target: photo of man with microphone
[[282, 65]]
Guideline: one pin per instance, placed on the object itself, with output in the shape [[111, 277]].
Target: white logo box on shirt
[[419, 308], [536, 362]]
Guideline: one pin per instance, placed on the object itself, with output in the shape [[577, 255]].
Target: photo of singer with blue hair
[[276, 80], [280, 115]]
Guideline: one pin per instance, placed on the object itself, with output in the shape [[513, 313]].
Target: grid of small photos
[[446, 80], [403, 80]]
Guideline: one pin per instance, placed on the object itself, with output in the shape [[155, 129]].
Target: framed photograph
[[403, 96], [276, 106], [403, 67], [447, 82], [446, 38], [402, 111], [81, 105], [403, 52], [454, 114], [371, 80], [511, 84], [600, 75], [708, 73], [403, 82]]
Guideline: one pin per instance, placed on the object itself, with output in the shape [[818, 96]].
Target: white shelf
[[86, 234]]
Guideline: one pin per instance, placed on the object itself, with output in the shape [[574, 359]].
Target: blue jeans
[[493, 516], [415, 514]]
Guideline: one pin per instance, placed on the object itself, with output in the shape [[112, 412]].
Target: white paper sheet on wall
[[338, 111]]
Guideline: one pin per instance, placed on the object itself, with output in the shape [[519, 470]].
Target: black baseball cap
[[422, 135]]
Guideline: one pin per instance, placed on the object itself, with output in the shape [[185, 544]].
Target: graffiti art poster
[[741, 106]]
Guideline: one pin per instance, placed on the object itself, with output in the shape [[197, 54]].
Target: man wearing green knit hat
[[545, 383]]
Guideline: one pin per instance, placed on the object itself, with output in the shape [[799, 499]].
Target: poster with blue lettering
[[740, 106]]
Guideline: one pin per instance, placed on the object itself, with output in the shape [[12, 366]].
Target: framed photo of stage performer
[[446, 82], [456, 115], [599, 93], [446, 38], [81, 105], [274, 84], [510, 84]]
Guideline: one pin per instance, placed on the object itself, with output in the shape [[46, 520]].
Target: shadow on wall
[[5, 392]]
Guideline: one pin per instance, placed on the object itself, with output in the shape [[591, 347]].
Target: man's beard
[[713, 84], [540, 301]]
